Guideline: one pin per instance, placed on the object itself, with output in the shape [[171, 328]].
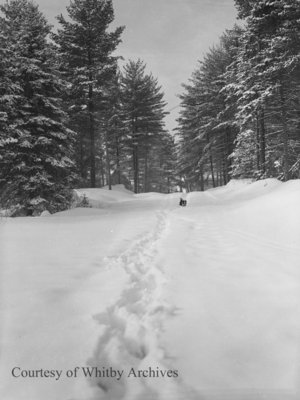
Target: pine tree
[[143, 114], [9, 90], [164, 178], [190, 142], [244, 7], [269, 85], [207, 128], [114, 133], [85, 49], [36, 168]]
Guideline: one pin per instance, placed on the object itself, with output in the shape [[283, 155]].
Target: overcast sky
[[169, 35]]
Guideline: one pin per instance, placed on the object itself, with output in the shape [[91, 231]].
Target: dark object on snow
[[182, 202]]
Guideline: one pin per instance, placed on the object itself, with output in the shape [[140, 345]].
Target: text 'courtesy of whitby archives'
[[94, 372]]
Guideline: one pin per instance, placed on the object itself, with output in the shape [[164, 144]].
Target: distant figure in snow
[[182, 202]]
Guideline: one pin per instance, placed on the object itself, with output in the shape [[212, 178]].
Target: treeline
[[240, 112], [68, 115]]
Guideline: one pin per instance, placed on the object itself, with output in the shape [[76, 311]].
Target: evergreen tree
[[9, 90], [244, 7], [85, 49], [36, 169], [268, 78], [190, 143], [163, 178], [143, 114], [114, 133], [207, 127]]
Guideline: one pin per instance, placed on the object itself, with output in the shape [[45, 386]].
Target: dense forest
[[240, 111], [70, 116]]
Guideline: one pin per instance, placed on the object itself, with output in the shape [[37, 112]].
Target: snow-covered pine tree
[[268, 76], [243, 88], [143, 113], [85, 48], [244, 7], [114, 133], [190, 139], [9, 90], [36, 168], [162, 176], [279, 21], [207, 127]]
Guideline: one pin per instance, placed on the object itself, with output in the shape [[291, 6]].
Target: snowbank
[[104, 197]]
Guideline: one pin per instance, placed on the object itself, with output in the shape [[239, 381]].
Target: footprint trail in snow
[[132, 328]]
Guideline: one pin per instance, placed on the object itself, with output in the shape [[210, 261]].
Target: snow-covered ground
[[209, 292]]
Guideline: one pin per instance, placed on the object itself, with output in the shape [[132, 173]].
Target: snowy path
[[229, 325], [134, 324], [210, 291]]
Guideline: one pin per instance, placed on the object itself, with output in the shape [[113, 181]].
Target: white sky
[[169, 35]]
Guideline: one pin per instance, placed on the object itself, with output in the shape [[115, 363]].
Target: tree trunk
[[201, 178], [81, 158], [135, 169], [92, 137], [285, 134], [118, 160], [146, 172], [101, 172], [211, 162], [135, 155], [262, 141], [224, 166], [229, 144], [228, 152], [108, 174], [257, 128]]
